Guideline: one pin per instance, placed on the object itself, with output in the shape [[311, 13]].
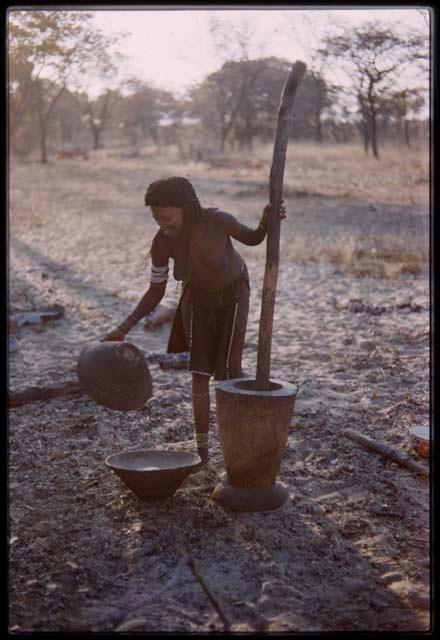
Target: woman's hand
[[268, 210], [117, 335]]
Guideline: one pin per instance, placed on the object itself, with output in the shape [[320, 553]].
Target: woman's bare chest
[[209, 247]]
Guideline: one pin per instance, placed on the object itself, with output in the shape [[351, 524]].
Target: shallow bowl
[[153, 474]]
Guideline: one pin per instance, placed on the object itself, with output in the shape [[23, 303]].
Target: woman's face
[[169, 219]]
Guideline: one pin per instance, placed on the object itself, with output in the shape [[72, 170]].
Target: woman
[[210, 320]]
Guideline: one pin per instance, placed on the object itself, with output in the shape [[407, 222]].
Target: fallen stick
[[34, 394], [386, 451], [158, 317], [37, 393], [18, 320], [173, 361], [190, 562]]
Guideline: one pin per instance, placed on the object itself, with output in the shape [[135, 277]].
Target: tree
[[220, 97], [241, 101], [235, 39], [142, 110], [312, 101], [373, 56], [365, 122], [256, 113], [401, 105], [46, 50], [20, 72], [67, 117], [419, 42], [98, 114]]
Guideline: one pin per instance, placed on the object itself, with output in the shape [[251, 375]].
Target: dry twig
[[35, 394], [386, 451], [127, 625], [190, 562]]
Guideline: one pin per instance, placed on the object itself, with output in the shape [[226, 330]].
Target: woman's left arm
[[243, 233]]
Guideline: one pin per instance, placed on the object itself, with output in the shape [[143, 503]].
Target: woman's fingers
[[281, 210], [113, 335]]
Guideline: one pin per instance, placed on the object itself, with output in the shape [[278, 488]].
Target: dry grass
[[361, 215], [400, 177], [399, 182], [387, 256]]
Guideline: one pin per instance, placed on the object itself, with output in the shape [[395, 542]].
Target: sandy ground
[[348, 551]]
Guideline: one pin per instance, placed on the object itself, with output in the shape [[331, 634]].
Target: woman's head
[[174, 204], [169, 219]]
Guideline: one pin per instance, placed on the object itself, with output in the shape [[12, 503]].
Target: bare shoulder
[[223, 219]]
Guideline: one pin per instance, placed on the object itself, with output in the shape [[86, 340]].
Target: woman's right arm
[[147, 304], [242, 232], [152, 297]]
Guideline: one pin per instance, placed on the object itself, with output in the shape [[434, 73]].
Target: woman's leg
[[201, 412]]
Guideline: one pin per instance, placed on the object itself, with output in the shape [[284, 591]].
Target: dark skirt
[[212, 328]]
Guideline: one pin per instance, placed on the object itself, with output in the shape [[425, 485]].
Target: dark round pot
[[115, 375]]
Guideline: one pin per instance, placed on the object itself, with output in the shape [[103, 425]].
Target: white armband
[[159, 275]]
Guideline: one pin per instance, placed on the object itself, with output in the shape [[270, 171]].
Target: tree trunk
[[248, 134], [365, 125], [373, 119], [318, 127], [335, 131], [153, 133], [43, 140], [223, 137], [366, 132], [374, 135], [44, 116], [407, 137], [249, 141], [42, 124], [16, 112], [95, 132]]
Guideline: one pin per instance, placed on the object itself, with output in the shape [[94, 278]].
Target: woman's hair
[[170, 192], [176, 192]]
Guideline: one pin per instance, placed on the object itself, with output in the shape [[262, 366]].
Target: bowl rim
[[196, 460]]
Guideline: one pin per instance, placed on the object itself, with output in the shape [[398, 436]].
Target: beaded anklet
[[202, 440]]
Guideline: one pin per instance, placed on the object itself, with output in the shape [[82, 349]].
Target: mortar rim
[[288, 389]]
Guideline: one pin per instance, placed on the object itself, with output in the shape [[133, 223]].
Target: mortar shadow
[[248, 537]]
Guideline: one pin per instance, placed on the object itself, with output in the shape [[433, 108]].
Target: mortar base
[[250, 499]]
